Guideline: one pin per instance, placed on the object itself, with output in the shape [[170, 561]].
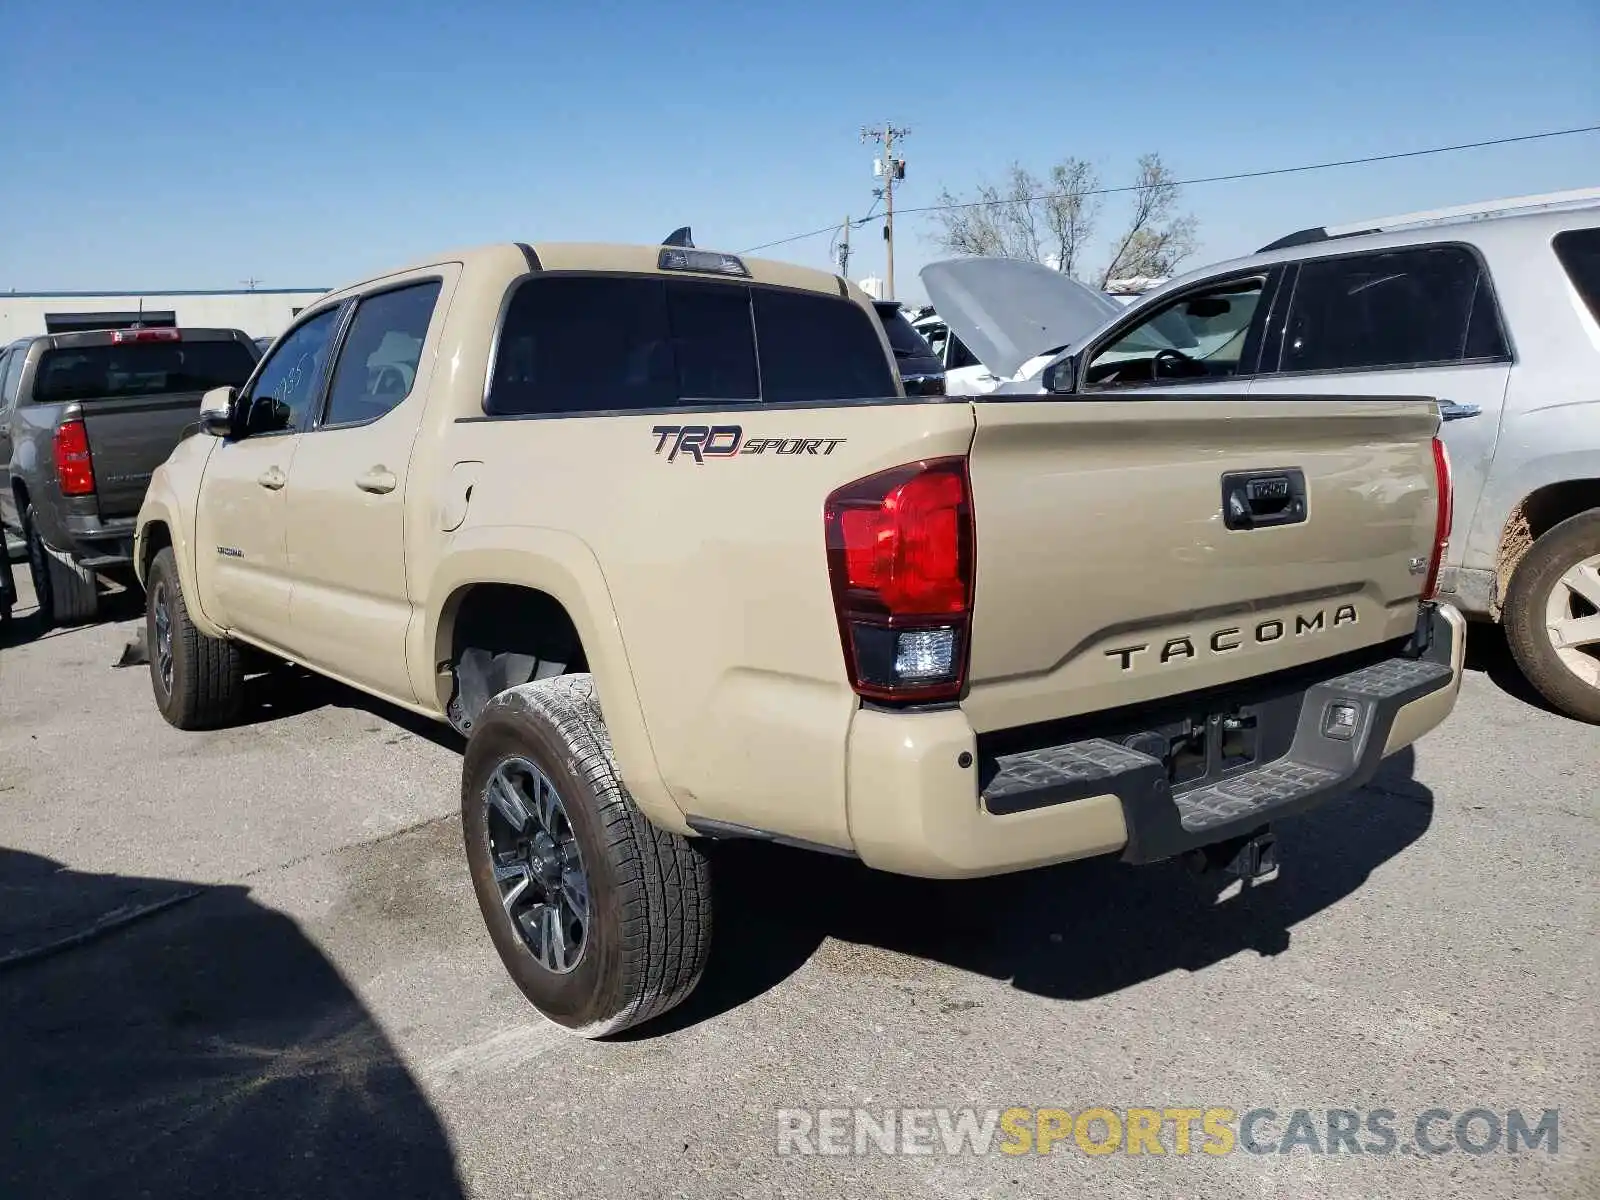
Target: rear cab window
[[1579, 252], [139, 369], [598, 344]]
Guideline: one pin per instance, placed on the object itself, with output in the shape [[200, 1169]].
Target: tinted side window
[[1579, 252], [284, 391], [1399, 309], [818, 348], [378, 363]]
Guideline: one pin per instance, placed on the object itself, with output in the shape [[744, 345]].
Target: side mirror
[[1061, 378], [216, 412]]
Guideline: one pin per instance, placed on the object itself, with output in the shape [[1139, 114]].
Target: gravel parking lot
[[317, 1009]]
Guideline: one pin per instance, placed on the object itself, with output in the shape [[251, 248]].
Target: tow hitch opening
[[1250, 861]]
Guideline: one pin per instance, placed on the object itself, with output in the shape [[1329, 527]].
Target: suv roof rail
[[1576, 198]]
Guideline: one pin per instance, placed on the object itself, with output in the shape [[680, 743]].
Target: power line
[[1238, 175]]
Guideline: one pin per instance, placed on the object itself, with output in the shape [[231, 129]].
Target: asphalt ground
[[249, 963]]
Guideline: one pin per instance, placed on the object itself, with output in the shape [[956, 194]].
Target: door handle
[[379, 480], [272, 478], [1456, 412]]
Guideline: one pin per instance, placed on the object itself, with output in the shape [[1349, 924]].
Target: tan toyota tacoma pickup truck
[[658, 530]]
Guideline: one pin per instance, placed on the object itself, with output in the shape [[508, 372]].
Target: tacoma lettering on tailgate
[[1233, 637]]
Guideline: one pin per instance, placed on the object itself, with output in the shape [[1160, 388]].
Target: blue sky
[[194, 145]]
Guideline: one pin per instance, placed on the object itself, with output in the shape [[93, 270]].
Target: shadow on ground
[[282, 690], [204, 1049], [24, 626], [1071, 932], [1489, 652]]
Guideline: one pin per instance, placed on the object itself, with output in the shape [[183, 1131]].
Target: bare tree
[[1024, 217], [1157, 238], [997, 222], [1071, 211]]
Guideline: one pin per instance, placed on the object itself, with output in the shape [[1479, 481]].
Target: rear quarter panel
[[715, 573]]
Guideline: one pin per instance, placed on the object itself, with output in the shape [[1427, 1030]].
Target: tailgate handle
[[1261, 499]]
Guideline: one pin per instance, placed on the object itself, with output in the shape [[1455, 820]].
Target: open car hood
[[1008, 310]]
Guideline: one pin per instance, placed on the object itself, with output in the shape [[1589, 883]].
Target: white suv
[[1493, 310]]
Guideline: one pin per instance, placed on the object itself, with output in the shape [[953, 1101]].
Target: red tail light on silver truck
[[74, 466], [901, 549], [1446, 486]]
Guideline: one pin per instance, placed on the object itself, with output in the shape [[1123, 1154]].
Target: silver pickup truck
[[84, 420]]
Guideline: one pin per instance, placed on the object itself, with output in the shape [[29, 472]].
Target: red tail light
[[901, 548], [1446, 485], [146, 335], [74, 466]]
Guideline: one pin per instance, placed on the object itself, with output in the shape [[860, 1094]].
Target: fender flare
[[161, 506], [565, 568]]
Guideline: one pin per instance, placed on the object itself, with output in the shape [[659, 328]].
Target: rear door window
[[377, 365], [818, 348], [1427, 306], [139, 369], [1579, 252]]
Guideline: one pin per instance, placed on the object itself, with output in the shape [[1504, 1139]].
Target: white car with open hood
[[1493, 309]]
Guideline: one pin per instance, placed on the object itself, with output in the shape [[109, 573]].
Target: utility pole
[[844, 249], [891, 169]]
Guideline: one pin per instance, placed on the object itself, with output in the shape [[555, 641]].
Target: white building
[[872, 286], [263, 312]]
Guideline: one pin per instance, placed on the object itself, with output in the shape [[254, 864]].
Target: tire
[[1569, 678], [67, 594], [646, 892], [198, 681]]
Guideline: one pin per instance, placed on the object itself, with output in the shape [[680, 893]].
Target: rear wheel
[[67, 594], [1552, 616], [603, 920], [198, 681]]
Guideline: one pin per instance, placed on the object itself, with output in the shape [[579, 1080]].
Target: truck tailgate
[[129, 439], [1107, 573]]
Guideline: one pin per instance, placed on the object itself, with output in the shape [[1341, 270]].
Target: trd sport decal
[[701, 442]]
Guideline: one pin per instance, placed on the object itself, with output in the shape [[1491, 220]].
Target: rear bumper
[[925, 798], [99, 544]]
